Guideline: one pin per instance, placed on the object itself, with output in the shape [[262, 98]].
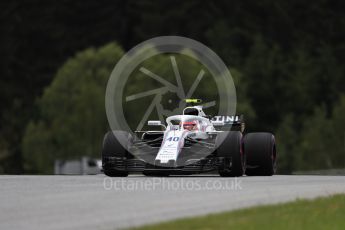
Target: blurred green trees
[[71, 121], [317, 142], [322, 143]]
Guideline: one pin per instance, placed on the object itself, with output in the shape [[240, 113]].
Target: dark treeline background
[[288, 57]]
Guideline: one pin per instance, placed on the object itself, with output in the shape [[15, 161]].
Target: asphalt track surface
[[93, 202]]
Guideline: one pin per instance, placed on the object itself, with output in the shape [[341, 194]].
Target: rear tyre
[[229, 148], [261, 156], [112, 148]]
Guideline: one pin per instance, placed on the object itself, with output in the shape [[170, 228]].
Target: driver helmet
[[190, 125]]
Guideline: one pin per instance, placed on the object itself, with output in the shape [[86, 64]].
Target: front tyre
[[113, 153], [115, 173], [229, 149], [261, 155]]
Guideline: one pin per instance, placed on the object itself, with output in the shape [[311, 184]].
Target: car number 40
[[173, 139]]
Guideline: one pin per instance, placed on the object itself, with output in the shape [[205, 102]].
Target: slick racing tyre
[[113, 150], [115, 173], [261, 156], [229, 149]]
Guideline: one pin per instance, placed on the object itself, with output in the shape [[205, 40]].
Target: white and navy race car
[[188, 144]]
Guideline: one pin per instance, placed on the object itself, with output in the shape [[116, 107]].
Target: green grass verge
[[322, 213]]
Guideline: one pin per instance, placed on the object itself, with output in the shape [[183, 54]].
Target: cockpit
[[190, 125], [186, 122]]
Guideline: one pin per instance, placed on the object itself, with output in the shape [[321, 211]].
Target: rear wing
[[236, 122]]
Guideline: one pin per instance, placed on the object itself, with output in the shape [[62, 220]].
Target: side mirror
[[155, 123], [217, 123]]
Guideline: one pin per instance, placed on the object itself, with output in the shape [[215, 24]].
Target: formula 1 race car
[[190, 143]]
